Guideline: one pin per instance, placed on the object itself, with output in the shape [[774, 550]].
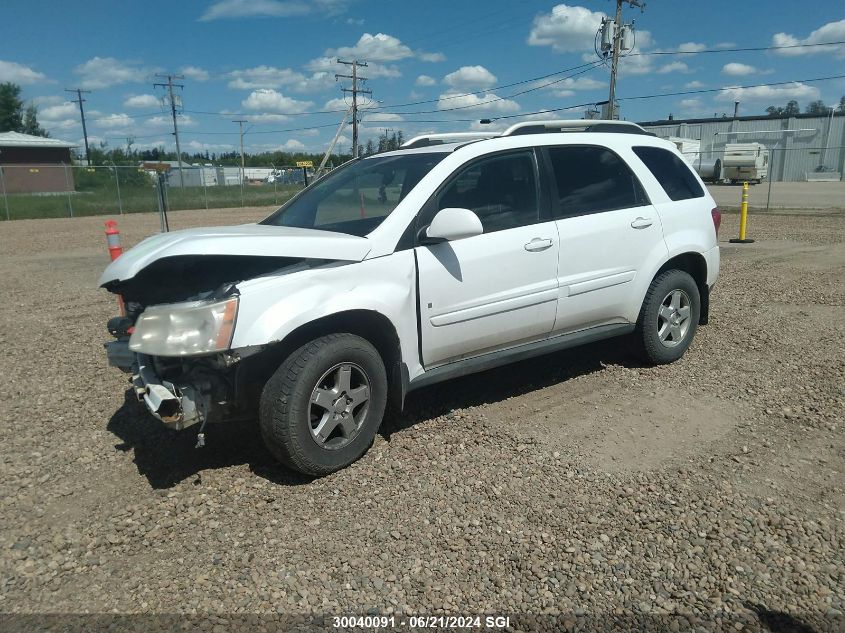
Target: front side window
[[592, 179], [500, 190], [357, 197], [671, 172]]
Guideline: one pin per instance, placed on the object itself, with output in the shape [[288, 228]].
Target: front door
[[497, 289]]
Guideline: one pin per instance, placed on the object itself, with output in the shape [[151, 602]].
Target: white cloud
[[165, 121], [564, 93], [265, 99], [735, 69], [486, 102], [377, 117], [20, 74], [293, 144], [691, 104], [142, 101], [673, 67], [355, 21], [342, 104], [774, 94], [425, 80], [102, 72], [694, 84], [691, 47], [566, 29], [373, 70], [114, 121], [576, 83], [431, 57], [267, 118], [58, 112], [199, 146], [830, 32], [271, 77], [195, 73], [223, 9], [379, 48], [470, 78]]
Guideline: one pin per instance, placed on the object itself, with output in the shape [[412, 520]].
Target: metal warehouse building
[[803, 147], [35, 164]]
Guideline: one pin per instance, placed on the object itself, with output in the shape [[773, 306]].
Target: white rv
[[745, 162]]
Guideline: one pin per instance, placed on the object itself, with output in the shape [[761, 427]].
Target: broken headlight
[[185, 329]]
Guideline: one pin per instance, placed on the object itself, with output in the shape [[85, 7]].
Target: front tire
[[669, 317], [322, 408]]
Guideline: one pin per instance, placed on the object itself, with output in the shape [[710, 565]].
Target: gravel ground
[[574, 491]]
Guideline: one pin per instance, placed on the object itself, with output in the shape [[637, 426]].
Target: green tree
[[11, 108], [792, 108], [841, 106], [817, 107], [30, 122]]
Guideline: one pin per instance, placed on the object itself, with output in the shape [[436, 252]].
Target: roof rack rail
[[425, 140], [574, 125]]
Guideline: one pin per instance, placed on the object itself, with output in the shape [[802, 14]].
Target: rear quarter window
[[673, 174]]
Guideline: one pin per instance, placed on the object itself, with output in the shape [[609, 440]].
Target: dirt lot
[[579, 488]]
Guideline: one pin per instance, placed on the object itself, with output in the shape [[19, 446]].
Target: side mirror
[[454, 224]]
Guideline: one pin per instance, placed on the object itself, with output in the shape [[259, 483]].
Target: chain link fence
[[55, 191], [62, 191]]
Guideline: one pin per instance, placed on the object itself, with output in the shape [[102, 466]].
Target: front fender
[[271, 308]]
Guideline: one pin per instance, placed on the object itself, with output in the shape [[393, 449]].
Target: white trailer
[[745, 162]]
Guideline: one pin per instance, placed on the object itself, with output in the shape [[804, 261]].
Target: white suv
[[410, 267]]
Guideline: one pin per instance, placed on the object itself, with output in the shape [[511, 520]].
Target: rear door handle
[[538, 244], [641, 223]]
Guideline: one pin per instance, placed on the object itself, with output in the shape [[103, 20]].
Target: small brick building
[[34, 164]]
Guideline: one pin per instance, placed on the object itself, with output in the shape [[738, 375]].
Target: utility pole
[[80, 101], [170, 85], [616, 36], [355, 92], [240, 123]]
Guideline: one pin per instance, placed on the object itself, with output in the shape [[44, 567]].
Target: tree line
[[814, 107]]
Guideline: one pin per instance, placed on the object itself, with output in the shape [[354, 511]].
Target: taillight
[[717, 219]]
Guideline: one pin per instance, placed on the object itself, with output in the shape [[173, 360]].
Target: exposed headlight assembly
[[185, 329]]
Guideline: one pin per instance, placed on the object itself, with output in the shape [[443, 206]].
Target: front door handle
[[538, 244], [641, 223]]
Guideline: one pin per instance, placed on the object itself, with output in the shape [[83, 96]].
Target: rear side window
[[671, 172], [593, 179]]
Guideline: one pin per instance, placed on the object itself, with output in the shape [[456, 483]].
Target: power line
[[80, 101], [169, 85]]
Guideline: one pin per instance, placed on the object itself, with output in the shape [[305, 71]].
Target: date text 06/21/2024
[[421, 621]]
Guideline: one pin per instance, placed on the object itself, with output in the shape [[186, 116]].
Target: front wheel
[[669, 317], [322, 408]]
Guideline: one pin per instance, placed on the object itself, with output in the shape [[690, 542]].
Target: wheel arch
[[695, 265], [370, 325]]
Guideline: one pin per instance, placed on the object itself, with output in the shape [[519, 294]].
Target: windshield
[[358, 196]]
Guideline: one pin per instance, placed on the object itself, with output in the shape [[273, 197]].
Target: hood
[[255, 240]]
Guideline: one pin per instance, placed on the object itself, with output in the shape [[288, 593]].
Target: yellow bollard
[[743, 217]]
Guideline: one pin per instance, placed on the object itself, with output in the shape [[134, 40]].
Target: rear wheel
[[669, 317], [322, 408]]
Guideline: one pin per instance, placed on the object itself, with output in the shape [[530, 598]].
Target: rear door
[[497, 289], [609, 233]]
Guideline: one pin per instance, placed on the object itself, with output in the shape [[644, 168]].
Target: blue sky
[[272, 62]]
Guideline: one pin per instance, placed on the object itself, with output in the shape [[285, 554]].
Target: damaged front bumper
[[178, 405]]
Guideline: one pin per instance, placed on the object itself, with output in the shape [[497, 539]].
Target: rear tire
[[321, 409], [668, 318]]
